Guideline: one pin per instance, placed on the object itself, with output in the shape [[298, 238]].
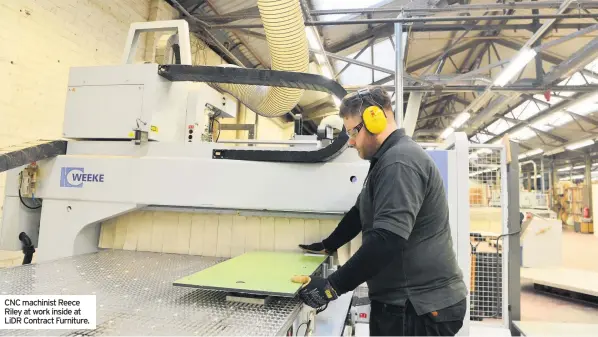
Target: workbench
[[135, 296]]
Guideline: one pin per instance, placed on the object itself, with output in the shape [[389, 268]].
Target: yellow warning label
[[154, 128]]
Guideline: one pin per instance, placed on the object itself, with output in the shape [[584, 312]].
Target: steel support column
[[542, 174], [399, 74], [513, 230], [412, 113], [588, 182]]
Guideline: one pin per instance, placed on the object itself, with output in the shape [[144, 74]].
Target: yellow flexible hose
[[285, 33]]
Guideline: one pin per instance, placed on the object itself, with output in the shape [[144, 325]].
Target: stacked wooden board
[[256, 273]]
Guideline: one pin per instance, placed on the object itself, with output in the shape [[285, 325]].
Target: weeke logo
[[76, 176]]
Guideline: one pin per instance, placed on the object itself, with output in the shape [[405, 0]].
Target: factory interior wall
[[42, 39], [48, 37]]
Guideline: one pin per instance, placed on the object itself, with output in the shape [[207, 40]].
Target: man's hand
[[317, 248], [316, 291]]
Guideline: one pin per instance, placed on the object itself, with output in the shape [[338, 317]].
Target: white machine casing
[[111, 102]]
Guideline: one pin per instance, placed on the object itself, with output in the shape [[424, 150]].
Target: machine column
[[513, 231]]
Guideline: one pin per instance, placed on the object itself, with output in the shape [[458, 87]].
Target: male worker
[[415, 285]]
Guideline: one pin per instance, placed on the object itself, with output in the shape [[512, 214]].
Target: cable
[[498, 303], [217, 137], [212, 120], [307, 325], [21, 197]]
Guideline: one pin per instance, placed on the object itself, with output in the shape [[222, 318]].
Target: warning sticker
[[48, 312]]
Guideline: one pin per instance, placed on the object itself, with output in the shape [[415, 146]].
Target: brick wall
[[41, 40]]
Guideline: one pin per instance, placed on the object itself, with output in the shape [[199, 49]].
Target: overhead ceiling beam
[[563, 105], [487, 94], [463, 8], [549, 135], [241, 14], [382, 31], [432, 58], [442, 96], [242, 38], [574, 63], [477, 88], [586, 119], [203, 30], [408, 20], [517, 46], [423, 119], [368, 65], [250, 33]]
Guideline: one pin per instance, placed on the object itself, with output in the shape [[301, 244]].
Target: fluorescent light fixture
[[447, 132], [462, 118], [578, 176], [569, 168], [530, 153], [555, 151], [581, 144], [517, 64]]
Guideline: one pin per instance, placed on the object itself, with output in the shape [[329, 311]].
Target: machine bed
[[135, 296]]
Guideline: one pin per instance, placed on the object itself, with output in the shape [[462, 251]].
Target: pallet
[[567, 294], [574, 284]]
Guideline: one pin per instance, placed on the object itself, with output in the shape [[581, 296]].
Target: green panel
[[259, 273]]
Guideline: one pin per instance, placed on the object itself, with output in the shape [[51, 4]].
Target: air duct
[[287, 41]]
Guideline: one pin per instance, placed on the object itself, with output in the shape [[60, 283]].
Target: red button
[[363, 315]]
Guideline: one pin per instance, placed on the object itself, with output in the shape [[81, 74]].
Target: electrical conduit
[[285, 34]]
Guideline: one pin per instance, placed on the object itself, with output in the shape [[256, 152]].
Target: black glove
[[317, 248], [317, 292]]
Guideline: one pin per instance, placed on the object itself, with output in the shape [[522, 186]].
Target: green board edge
[[256, 273]]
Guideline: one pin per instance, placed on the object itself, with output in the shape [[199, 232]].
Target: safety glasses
[[354, 131]]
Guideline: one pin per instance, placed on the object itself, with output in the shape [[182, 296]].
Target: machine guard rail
[[209, 74], [15, 156]]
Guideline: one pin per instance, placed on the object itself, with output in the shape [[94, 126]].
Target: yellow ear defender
[[374, 118]]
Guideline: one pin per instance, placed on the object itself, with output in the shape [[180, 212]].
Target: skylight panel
[[498, 127], [576, 79], [592, 66], [523, 134], [550, 122], [529, 110], [482, 137], [584, 109]]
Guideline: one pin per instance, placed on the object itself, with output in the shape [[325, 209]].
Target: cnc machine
[[132, 199]]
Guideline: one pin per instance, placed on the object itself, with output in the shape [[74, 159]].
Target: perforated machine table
[[135, 296]]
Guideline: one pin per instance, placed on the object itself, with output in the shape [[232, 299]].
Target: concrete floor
[[580, 251]]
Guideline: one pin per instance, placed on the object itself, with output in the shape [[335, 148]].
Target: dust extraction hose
[[287, 41]]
